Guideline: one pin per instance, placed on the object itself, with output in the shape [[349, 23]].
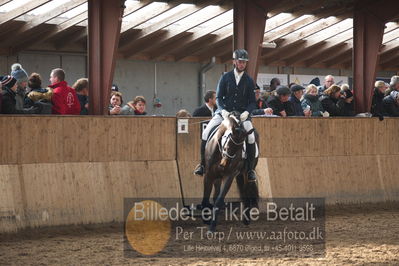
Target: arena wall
[[77, 170]]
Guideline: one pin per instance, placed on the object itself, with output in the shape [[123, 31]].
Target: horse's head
[[233, 139]]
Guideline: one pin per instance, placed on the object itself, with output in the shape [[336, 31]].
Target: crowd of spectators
[[25, 94], [326, 100]]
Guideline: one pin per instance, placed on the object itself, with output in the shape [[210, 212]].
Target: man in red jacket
[[64, 99]]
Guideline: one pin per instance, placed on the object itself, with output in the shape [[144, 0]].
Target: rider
[[235, 92]]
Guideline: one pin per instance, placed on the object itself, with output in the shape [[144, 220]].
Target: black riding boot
[[251, 150], [201, 167]]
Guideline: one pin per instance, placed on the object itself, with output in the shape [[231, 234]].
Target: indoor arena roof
[[310, 33]]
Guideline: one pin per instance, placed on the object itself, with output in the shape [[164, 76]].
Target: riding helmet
[[240, 54]]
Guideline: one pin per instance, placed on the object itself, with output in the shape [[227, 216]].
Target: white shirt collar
[[210, 108], [238, 75]]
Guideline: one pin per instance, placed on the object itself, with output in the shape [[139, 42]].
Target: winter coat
[[390, 107], [348, 109], [296, 104], [203, 111], [314, 103], [377, 107], [8, 104], [39, 96], [331, 105], [64, 100], [278, 106], [83, 100]]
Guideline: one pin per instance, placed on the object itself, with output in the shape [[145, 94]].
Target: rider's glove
[[244, 116], [225, 114]]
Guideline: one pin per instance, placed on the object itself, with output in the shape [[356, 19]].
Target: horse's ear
[[250, 131]]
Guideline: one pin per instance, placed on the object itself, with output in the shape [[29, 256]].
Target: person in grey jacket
[[311, 100]]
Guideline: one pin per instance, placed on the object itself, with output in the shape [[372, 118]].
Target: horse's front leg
[[216, 186], [219, 203], [208, 182]]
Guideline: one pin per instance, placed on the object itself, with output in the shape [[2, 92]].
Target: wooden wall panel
[[56, 139], [340, 179], [36, 195]]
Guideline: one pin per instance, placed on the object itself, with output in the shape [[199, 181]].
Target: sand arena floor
[[354, 236]]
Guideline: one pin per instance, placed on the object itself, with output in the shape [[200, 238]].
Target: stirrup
[[199, 170]]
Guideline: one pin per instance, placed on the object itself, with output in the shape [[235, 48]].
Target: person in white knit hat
[[22, 82]]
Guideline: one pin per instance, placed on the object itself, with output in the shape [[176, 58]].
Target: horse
[[224, 162]]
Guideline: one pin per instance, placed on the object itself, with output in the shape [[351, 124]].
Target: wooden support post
[[105, 18], [368, 29], [249, 29]]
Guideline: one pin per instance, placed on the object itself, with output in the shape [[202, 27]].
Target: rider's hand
[[244, 116], [225, 114]]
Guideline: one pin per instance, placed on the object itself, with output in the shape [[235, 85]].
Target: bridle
[[225, 153]]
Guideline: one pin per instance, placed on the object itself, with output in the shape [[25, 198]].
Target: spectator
[[295, 99], [391, 104], [183, 113], [115, 103], [260, 101], [274, 83], [344, 87], [22, 81], [8, 102], [292, 84], [346, 102], [37, 95], [311, 100], [329, 101], [261, 105], [328, 82], [209, 107], [280, 104], [377, 108], [393, 85], [135, 107], [64, 100], [81, 87], [114, 87]]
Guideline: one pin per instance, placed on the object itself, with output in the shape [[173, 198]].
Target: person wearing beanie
[[280, 104], [22, 81], [38, 95], [391, 104], [346, 103], [295, 99], [8, 102], [64, 100]]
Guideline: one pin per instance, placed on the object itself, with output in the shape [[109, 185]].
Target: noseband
[[224, 153]]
